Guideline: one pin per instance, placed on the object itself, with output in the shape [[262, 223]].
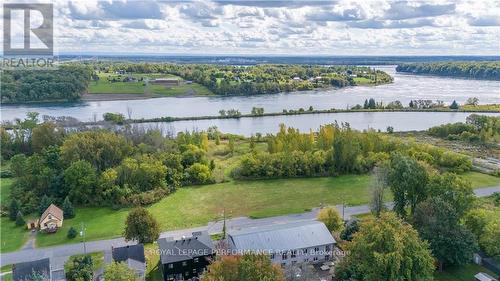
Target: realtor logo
[[44, 31]]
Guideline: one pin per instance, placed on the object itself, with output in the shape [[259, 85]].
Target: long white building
[[286, 244]]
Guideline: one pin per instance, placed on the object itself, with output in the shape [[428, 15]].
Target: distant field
[[105, 86], [362, 81]]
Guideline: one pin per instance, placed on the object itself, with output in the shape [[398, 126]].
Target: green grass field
[[194, 206], [104, 86], [5, 186], [463, 273]]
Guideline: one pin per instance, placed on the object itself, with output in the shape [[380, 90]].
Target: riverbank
[[300, 112]]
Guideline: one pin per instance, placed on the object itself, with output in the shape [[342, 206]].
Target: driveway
[[62, 252]]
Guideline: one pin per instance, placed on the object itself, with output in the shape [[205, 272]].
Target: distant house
[[166, 81], [26, 270], [286, 244], [49, 221], [132, 255], [296, 78], [185, 258]]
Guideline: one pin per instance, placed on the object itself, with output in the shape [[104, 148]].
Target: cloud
[[490, 20], [115, 10], [400, 10], [285, 27]]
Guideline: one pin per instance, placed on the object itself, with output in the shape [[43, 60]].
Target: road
[[59, 254]]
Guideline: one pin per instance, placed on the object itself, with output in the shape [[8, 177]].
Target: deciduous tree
[[119, 271], [248, 267], [141, 226]]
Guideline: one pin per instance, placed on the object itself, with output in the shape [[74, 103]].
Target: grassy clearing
[[193, 89], [363, 81], [5, 186], [11, 236], [104, 86], [463, 273], [481, 180], [194, 206]]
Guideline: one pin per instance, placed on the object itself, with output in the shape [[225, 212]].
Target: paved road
[[59, 254]]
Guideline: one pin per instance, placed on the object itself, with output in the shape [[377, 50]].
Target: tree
[[81, 180], [472, 101], [19, 219], [72, 233], [454, 190], [454, 105], [437, 222], [45, 135], [119, 271], [14, 208], [490, 239], [248, 267], [199, 174], [378, 186], [331, 218], [141, 226], [230, 144], [80, 268], [408, 181], [44, 204], [68, 209], [386, 248], [350, 228]]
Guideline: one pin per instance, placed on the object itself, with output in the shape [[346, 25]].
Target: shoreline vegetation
[[120, 119], [471, 70]]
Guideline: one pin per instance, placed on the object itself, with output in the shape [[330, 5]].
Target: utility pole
[[82, 233]]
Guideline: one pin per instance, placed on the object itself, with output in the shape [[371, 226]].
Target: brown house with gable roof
[[50, 221]]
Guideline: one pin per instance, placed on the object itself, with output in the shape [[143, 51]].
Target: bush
[[116, 118], [5, 174], [72, 233]]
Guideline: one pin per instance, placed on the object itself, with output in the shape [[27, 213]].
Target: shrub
[[72, 233]]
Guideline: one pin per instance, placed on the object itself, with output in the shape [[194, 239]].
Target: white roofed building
[[286, 244]]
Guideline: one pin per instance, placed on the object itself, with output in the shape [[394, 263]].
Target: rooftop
[[188, 248], [134, 252], [24, 270], [281, 237]]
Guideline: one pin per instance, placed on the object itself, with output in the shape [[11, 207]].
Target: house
[[132, 255], [25, 270], [185, 258], [286, 244], [166, 81], [481, 276], [296, 78], [50, 221]]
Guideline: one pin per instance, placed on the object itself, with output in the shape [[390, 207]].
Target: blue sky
[[350, 27]]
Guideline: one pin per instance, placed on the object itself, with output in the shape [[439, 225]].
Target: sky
[[350, 27]]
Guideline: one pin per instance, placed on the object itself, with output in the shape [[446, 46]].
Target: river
[[406, 87]]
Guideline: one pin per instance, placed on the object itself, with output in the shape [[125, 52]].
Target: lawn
[[104, 86], [11, 237], [463, 273], [193, 89], [195, 206], [362, 81], [481, 180], [5, 185]]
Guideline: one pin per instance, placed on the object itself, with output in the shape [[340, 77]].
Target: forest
[[472, 70], [67, 83], [476, 129]]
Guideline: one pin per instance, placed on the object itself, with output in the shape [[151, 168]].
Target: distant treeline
[[474, 70], [67, 83]]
